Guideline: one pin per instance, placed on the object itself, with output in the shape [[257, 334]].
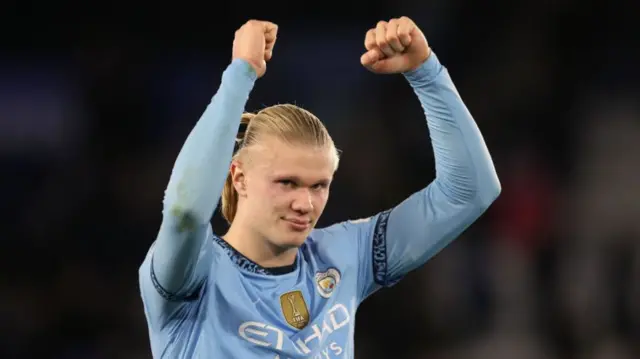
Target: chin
[[293, 239], [291, 235], [287, 238]]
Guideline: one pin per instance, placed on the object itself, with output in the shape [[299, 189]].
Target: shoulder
[[350, 233], [353, 229], [339, 241], [226, 257]]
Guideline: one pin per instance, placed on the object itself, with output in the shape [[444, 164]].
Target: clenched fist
[[395, 46], [254, 43]]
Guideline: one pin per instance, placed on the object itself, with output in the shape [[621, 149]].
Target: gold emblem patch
[[294, 309]]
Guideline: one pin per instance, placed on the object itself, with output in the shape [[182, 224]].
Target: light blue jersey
[[203, 299]]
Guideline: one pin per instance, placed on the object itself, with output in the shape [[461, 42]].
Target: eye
[[287, 183], [319, 186]]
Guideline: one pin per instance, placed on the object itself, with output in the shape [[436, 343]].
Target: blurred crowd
[[92, 118]]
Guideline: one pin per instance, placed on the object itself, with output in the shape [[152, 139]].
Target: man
[[273, 286]]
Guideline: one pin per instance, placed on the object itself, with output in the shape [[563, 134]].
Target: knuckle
[[381, 23], [391, 37]]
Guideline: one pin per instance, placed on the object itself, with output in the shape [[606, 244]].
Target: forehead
[[278, 158]]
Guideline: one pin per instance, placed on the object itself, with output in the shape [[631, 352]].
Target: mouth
[[298, 224]]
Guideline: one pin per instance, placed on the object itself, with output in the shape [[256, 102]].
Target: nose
[[302, 201]]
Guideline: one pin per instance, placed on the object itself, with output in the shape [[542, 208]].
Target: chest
[[297, 316]]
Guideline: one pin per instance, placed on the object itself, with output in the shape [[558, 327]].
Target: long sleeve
[[180, 259], [466, 182], [394, 242]]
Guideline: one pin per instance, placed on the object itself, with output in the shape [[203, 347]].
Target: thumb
[[370, 57]]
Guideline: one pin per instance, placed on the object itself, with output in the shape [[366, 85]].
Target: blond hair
[[286, 122]]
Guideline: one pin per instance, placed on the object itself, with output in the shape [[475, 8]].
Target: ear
[[238, 178]]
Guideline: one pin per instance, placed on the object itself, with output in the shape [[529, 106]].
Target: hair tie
[[243, 128]]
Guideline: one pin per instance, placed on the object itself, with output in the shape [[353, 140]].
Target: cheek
[[274, 197], [320, 200], [258, 196]]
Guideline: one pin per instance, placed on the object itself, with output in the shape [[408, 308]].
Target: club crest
[[294, 309], [326, 282]]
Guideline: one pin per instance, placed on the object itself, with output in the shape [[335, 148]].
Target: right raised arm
[[179, 261], [180, 258]]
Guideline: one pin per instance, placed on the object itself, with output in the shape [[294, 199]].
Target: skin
[[283, 189]]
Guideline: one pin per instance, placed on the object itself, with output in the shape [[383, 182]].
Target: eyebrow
[[297, 179]]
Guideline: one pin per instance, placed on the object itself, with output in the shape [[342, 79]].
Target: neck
[[258, 248]]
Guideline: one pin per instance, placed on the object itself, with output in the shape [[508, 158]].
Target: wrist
[[426, 71], [243, 67]]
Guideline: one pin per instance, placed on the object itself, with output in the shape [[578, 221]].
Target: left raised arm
[[466, 182]]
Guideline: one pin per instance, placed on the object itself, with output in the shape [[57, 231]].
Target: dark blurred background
[[96, 100]]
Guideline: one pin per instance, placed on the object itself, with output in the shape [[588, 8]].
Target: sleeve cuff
[[239, 76], [426, 73]]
